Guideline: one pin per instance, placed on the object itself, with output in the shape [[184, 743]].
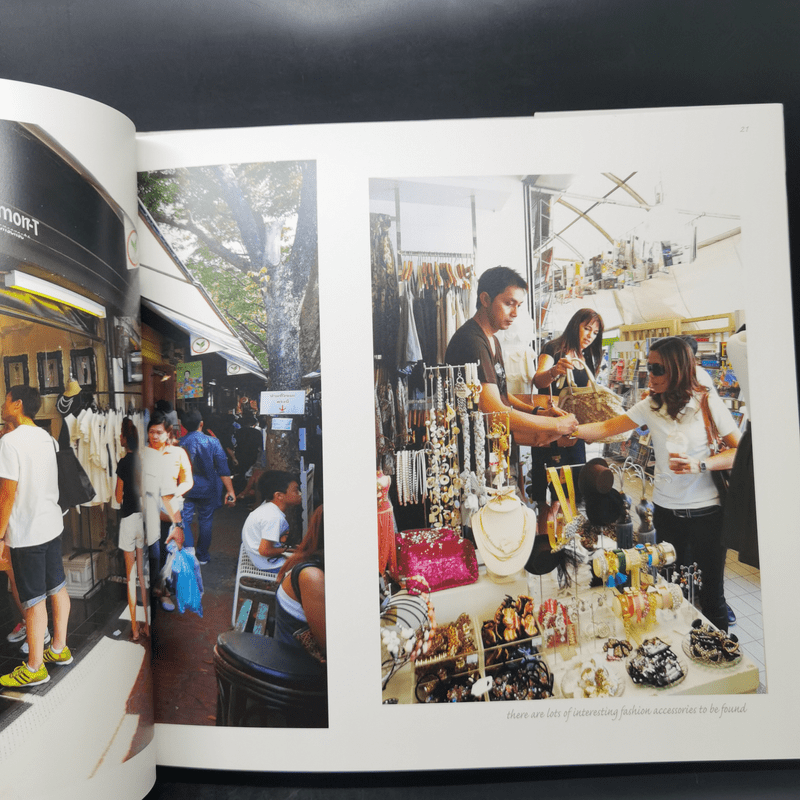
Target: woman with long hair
[[568, 357], [688, 510], [300, 602], [128, 494]]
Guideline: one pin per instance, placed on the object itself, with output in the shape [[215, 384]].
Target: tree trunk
[[284, 297], [286, 290]]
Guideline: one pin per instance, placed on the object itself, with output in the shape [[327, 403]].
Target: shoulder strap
[[295, 575], [712, 433]]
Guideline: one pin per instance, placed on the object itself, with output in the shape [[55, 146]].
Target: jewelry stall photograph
[[554, 519]]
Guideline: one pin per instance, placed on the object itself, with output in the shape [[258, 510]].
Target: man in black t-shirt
[[501, 292]]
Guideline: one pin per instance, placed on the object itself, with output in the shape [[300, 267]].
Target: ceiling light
[[28, 283]]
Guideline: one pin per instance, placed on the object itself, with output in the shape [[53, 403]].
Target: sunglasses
[[657, 369]]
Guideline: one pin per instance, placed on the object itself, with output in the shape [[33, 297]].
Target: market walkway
[[185, 687]]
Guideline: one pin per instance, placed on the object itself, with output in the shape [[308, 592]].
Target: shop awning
[[169, 290], [229, 346]]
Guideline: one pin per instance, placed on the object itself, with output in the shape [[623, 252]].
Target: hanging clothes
[[385, 291], [409, 350]]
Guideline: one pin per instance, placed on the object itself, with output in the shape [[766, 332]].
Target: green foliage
[[157, 189], [217, 218]]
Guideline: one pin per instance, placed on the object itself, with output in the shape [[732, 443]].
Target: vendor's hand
[[566, 424], [553, 411], [176, 535], [230, 499], [681, 464]]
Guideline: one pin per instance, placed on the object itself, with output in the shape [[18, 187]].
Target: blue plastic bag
[[187, 581]]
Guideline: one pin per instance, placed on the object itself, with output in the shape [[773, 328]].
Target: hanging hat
[[603, 503], [73, 388], [596, 477], [604, 509], [504, 531]]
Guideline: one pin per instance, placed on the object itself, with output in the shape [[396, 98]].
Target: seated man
[[501, 292], [265, 529]]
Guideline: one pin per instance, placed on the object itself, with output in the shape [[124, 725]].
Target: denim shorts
[[38, 571]]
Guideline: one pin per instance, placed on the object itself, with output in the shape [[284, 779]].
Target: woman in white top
[[688, 511], [166, 477]]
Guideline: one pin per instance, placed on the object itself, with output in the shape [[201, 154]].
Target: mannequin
[[386, 543], [69, 405], [504, 531]]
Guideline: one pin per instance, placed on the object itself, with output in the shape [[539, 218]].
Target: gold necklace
[[493, 549]]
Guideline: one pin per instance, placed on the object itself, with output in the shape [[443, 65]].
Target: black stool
[[264, 683]]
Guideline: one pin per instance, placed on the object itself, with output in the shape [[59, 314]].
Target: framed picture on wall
[[16, 371], [84, 368], [51, 373]]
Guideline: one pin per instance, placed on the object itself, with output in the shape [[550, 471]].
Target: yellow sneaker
[[22, 677], [63, 658]]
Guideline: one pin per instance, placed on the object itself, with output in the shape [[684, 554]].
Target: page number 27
[[744, 129]]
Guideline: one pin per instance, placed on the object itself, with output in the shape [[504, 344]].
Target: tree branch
[[246, 332], [212, 244]]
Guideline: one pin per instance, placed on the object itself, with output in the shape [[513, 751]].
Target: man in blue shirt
[[211, 474]]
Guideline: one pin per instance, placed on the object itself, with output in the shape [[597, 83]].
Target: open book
[[242, 269]]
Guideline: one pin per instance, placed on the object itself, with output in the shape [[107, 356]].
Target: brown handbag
[[592, 403], [716, 444]]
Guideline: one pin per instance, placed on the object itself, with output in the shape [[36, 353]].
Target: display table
[[480, 600]]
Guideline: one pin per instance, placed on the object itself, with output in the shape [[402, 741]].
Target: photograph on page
[[232, 389], [74, 646], [566, 502]]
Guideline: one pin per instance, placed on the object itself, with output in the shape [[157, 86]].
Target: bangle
[[535, 411]]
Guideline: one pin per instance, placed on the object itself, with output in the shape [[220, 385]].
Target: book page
[[727, 160], [69, 322]]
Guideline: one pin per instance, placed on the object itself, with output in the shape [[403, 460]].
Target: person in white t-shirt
[[266, 528], [31, 526], [688, 510]]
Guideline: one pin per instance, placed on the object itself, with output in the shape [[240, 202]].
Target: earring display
[[707, 645], [590, 679], [655, 664]]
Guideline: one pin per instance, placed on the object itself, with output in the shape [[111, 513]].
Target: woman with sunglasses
[[688, 513]]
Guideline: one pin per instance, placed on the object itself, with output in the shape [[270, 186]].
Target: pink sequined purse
[[440, 555]]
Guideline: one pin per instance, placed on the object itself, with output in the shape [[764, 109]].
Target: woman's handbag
[[721, 477], [74, 486], [592, 403]]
